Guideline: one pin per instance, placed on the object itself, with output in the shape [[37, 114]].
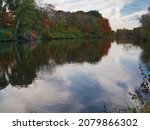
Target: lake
[[70, 75]]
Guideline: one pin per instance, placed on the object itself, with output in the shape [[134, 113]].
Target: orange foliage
[[47, 24], [8, 19]]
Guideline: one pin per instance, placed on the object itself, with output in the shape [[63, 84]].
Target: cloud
[[111, 9], [78, 87], [128, 21]]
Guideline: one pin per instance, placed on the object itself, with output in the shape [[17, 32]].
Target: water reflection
[[145, 56], [67, 76], [20, 63]]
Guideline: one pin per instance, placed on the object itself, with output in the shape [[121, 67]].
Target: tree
[[145, 22], [61, 25], [95, 13], [2, 10], [50, 9], [8, 19], [105, 27], [25, 14], [13, 4]]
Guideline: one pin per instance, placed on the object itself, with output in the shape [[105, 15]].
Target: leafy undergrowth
[[142, 94]]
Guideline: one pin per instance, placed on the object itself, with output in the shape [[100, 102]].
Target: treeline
[[137, 34], [26, 20]]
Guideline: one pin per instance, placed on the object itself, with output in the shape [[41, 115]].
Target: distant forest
[[24, 19], [138, 34]]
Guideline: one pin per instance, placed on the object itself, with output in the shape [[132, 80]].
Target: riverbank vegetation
[[25, 20]]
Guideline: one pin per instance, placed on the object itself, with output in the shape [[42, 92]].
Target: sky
[[121, 13]]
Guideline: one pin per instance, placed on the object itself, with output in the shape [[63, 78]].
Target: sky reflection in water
[[74, 87]]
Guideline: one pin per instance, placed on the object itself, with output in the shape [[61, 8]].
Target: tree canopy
[[22, 17]]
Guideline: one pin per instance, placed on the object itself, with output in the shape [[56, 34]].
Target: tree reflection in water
[[142, 93], [20, 63]]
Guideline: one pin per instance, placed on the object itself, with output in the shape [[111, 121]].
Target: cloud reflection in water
[[78, 87]]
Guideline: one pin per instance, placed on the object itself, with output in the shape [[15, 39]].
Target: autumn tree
[[45, 19], [105, 27], [2, 10], [25, 16]]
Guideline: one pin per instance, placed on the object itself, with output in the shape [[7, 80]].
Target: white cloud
[[128, 21], [109, 8], [68, 85]]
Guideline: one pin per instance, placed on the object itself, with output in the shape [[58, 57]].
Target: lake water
[[70, 75]]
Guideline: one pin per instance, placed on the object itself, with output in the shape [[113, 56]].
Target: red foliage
[[105, 48], [105, 26], [34, 35]]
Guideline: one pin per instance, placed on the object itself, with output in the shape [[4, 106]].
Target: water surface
[[69, 75]]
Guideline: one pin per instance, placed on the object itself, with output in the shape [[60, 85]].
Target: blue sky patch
[[137, 5]]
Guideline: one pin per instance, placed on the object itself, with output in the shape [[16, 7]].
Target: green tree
[[12, 4], [95, 13], [61, 25], [25, 14], [145, 22]]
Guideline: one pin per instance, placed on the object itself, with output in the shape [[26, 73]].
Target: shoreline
[[57, 38]]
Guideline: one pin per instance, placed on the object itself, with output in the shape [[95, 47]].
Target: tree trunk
[[16, 29]]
